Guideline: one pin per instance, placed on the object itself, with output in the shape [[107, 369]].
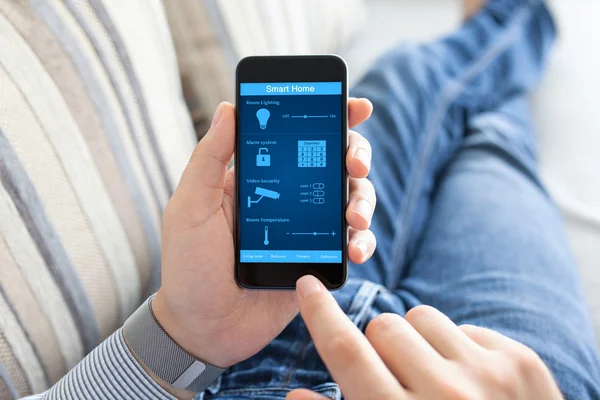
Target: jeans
[[463, 222]]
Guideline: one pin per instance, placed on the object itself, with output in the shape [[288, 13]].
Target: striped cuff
[[109, 372]]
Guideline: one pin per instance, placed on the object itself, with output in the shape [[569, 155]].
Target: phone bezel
[[317, 68]]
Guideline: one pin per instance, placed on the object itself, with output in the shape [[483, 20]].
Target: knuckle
[[361, 141], [501, 379], [343, 346], [455, 390], [314, 305], [476, 333], [419, 312], [372, 239], [367, 145], [529, 364], [369, 187], [381, 325], [372, 192], [364, 143], [364, 189]]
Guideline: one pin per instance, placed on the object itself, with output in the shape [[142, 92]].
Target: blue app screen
[[290, 172]]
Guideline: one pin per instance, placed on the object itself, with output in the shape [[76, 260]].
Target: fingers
[[362, 201], [441, 333], [359, 110], [520, 364], [204, 177], [352, 361], [361, 204], [208, 163], [361, 246], [304, 394], [358, 157], [405, 352], [487, 338]]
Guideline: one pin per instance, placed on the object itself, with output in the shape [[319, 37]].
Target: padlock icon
[[263, 160]]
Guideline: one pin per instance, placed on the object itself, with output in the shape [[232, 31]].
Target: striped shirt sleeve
[[109, 372]]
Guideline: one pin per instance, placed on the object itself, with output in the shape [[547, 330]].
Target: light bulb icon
[[263, 116]]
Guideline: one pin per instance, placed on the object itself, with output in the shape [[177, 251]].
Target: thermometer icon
[[266, 235]]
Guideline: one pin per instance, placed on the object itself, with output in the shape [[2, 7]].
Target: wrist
[[201, 345], [159, 353]]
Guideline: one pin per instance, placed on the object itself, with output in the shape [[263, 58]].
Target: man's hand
[[199, 304], [422, 356]]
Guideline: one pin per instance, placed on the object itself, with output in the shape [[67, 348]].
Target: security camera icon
[[262, 193]]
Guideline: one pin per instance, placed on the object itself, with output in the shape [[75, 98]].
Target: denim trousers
[[463, 222]]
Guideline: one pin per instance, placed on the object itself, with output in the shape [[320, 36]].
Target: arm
[[110, 371]]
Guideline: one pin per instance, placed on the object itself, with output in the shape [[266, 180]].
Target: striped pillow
[[211, 36], [94, 134]]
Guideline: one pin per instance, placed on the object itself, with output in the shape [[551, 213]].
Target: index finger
[[346, 352], [359, 110]]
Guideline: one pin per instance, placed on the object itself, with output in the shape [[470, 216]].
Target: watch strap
[[165, 358]]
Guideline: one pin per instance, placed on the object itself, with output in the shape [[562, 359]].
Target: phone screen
[[291, 177]]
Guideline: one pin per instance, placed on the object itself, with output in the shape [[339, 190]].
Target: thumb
[[204, 177]]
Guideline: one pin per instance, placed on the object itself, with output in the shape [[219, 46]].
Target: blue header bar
[[290, 88]]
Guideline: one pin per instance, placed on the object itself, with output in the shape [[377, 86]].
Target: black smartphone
[[291, 179]]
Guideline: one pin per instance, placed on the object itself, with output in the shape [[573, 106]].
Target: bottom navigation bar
[[290, 256]]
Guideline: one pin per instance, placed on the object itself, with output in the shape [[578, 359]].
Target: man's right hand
[[422, 356]]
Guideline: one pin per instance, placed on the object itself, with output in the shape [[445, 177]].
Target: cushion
[[212, 36], [94, 134]]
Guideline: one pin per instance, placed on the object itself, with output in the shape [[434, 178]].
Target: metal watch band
[[155, 348]]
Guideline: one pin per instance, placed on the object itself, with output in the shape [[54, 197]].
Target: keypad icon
[[312, 153]]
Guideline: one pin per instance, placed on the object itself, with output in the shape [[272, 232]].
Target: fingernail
[[362, 246], [217, 116], [308, 285], [363, 156], [364, 208]]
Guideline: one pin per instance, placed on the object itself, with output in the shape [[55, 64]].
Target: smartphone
[[291, 179]]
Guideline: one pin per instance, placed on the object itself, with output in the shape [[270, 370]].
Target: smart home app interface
[[290, 177]]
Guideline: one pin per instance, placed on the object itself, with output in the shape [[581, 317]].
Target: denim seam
[[449, 94], [357, 298], [508, 158], [366, 301], [290, 372]]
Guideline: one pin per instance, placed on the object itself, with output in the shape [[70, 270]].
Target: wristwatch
[[159, 353]]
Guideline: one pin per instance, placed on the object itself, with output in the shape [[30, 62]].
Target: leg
[[494, 251], [422, 96]]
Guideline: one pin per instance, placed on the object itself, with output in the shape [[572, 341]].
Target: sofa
[[102, 102]]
